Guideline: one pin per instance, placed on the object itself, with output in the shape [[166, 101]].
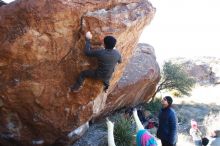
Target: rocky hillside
[[206, 70]]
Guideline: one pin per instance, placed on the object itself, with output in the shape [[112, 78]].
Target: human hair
[[205, 141], [169, 100], [109, 42]]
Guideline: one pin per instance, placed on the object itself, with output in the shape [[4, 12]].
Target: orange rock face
[[41, 55]]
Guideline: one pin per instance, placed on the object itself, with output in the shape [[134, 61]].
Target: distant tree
[[173, 77], [2, 3]]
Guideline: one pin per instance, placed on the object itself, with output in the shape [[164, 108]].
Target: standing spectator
[[195, 133], [167, 130]]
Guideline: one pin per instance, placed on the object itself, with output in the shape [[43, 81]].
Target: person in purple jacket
[[167, 129]]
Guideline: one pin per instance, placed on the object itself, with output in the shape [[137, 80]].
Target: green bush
[[174, 77], [153, 106], [123, 132]]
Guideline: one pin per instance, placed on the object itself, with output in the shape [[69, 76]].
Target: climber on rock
[[107, 60]]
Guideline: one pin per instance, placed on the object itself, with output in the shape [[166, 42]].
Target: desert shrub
[[153, 106], [211, 122], [176, 93], [174, 77], [2, 3], [182, 117], [123, 132]]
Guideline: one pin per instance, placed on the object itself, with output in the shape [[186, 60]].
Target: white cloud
[[8, 1], [184, 28]]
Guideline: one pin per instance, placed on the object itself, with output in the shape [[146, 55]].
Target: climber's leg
[[79, 82]]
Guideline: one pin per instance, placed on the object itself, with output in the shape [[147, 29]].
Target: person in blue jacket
[[167, 130], [107, 58]]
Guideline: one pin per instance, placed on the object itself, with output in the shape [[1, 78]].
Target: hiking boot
[[75, 88]]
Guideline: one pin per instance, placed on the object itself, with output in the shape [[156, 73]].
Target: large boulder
[[41, 55]]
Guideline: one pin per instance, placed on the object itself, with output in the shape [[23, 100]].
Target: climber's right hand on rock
[[89, 35]]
